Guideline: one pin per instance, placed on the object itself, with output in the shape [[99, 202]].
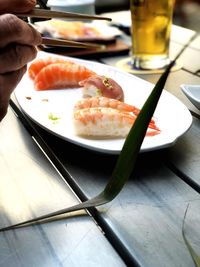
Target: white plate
[[169, 113], [192, 91], [96, 30]]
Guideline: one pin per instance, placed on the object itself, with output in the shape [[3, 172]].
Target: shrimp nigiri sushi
[[61, 75], [101, 116], [106, 102], [99, 85], [102, 122]]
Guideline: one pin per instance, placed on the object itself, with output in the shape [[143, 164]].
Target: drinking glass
[[150, 31]]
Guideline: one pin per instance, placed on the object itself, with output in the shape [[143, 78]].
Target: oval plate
[[53, 109]]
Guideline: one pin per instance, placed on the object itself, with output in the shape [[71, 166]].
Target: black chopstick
[[42, 4], [44, 13], [69, 43]]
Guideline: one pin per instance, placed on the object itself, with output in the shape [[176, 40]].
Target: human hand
[[18, 42]]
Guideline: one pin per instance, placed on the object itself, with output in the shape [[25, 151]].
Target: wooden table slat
[[30, 187]]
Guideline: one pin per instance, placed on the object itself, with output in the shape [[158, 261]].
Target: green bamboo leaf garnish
[[193, 254], [127, 158]]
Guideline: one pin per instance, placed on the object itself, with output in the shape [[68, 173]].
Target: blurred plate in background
[[77, 30]]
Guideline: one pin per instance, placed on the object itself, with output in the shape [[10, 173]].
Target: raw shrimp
[[104, 122], [61, 75], [102, 86], [111, 103], [36, 66], [101, 101]]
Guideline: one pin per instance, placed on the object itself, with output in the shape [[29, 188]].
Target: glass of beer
[[150, 31]]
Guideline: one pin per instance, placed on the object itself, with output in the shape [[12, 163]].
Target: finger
[[8, 6], [14, 57], [8, 82], [15, 30]]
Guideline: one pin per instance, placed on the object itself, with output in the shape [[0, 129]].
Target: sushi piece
[[61, 75], [104, 122], [98, 85], [36, 66], [110, 103]]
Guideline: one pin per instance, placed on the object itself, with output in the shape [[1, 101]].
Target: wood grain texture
[[146, 217], [29, 187], [184, 157]]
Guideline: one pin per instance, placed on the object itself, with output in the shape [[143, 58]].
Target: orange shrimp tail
[[61, 75]]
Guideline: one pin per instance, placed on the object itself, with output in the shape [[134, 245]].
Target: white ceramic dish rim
[[192, 92]]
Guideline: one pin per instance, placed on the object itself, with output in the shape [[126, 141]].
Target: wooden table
[[142, 226]]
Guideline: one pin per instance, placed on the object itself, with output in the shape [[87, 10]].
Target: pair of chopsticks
[[43, 13]]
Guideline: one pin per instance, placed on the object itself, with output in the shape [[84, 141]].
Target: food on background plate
[[76, 30], [68, 29], [102, 116], [99, 85]]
